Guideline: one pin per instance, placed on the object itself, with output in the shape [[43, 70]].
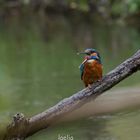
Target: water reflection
[[39, 66]]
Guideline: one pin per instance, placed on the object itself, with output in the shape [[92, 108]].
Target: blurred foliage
[[109, 8], [126, 7], [133, 5], [104, 9]]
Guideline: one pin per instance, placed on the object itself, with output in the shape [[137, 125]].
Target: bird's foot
[[89, 86], [98, 80]]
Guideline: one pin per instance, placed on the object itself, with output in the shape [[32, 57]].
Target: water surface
[[39, 67]]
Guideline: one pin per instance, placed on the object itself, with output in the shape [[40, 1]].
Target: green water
[[39, 67]]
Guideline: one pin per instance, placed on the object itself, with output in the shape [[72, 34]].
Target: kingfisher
[[91, 68]]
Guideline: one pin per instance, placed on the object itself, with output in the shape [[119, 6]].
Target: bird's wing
[[82, 68]]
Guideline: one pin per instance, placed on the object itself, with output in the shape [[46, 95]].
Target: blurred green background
[[39, 66]]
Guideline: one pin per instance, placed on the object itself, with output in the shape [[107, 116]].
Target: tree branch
[[22, 128]]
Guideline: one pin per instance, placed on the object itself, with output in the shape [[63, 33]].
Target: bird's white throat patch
[[91, 60]]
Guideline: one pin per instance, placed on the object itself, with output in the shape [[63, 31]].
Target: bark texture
[[21, 127]]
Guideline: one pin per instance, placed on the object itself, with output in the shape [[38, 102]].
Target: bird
[[91, 68]]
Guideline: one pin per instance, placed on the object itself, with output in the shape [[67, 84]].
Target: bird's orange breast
[[92, 72]]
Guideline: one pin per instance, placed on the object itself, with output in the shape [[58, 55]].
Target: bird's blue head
[[91, 54]]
